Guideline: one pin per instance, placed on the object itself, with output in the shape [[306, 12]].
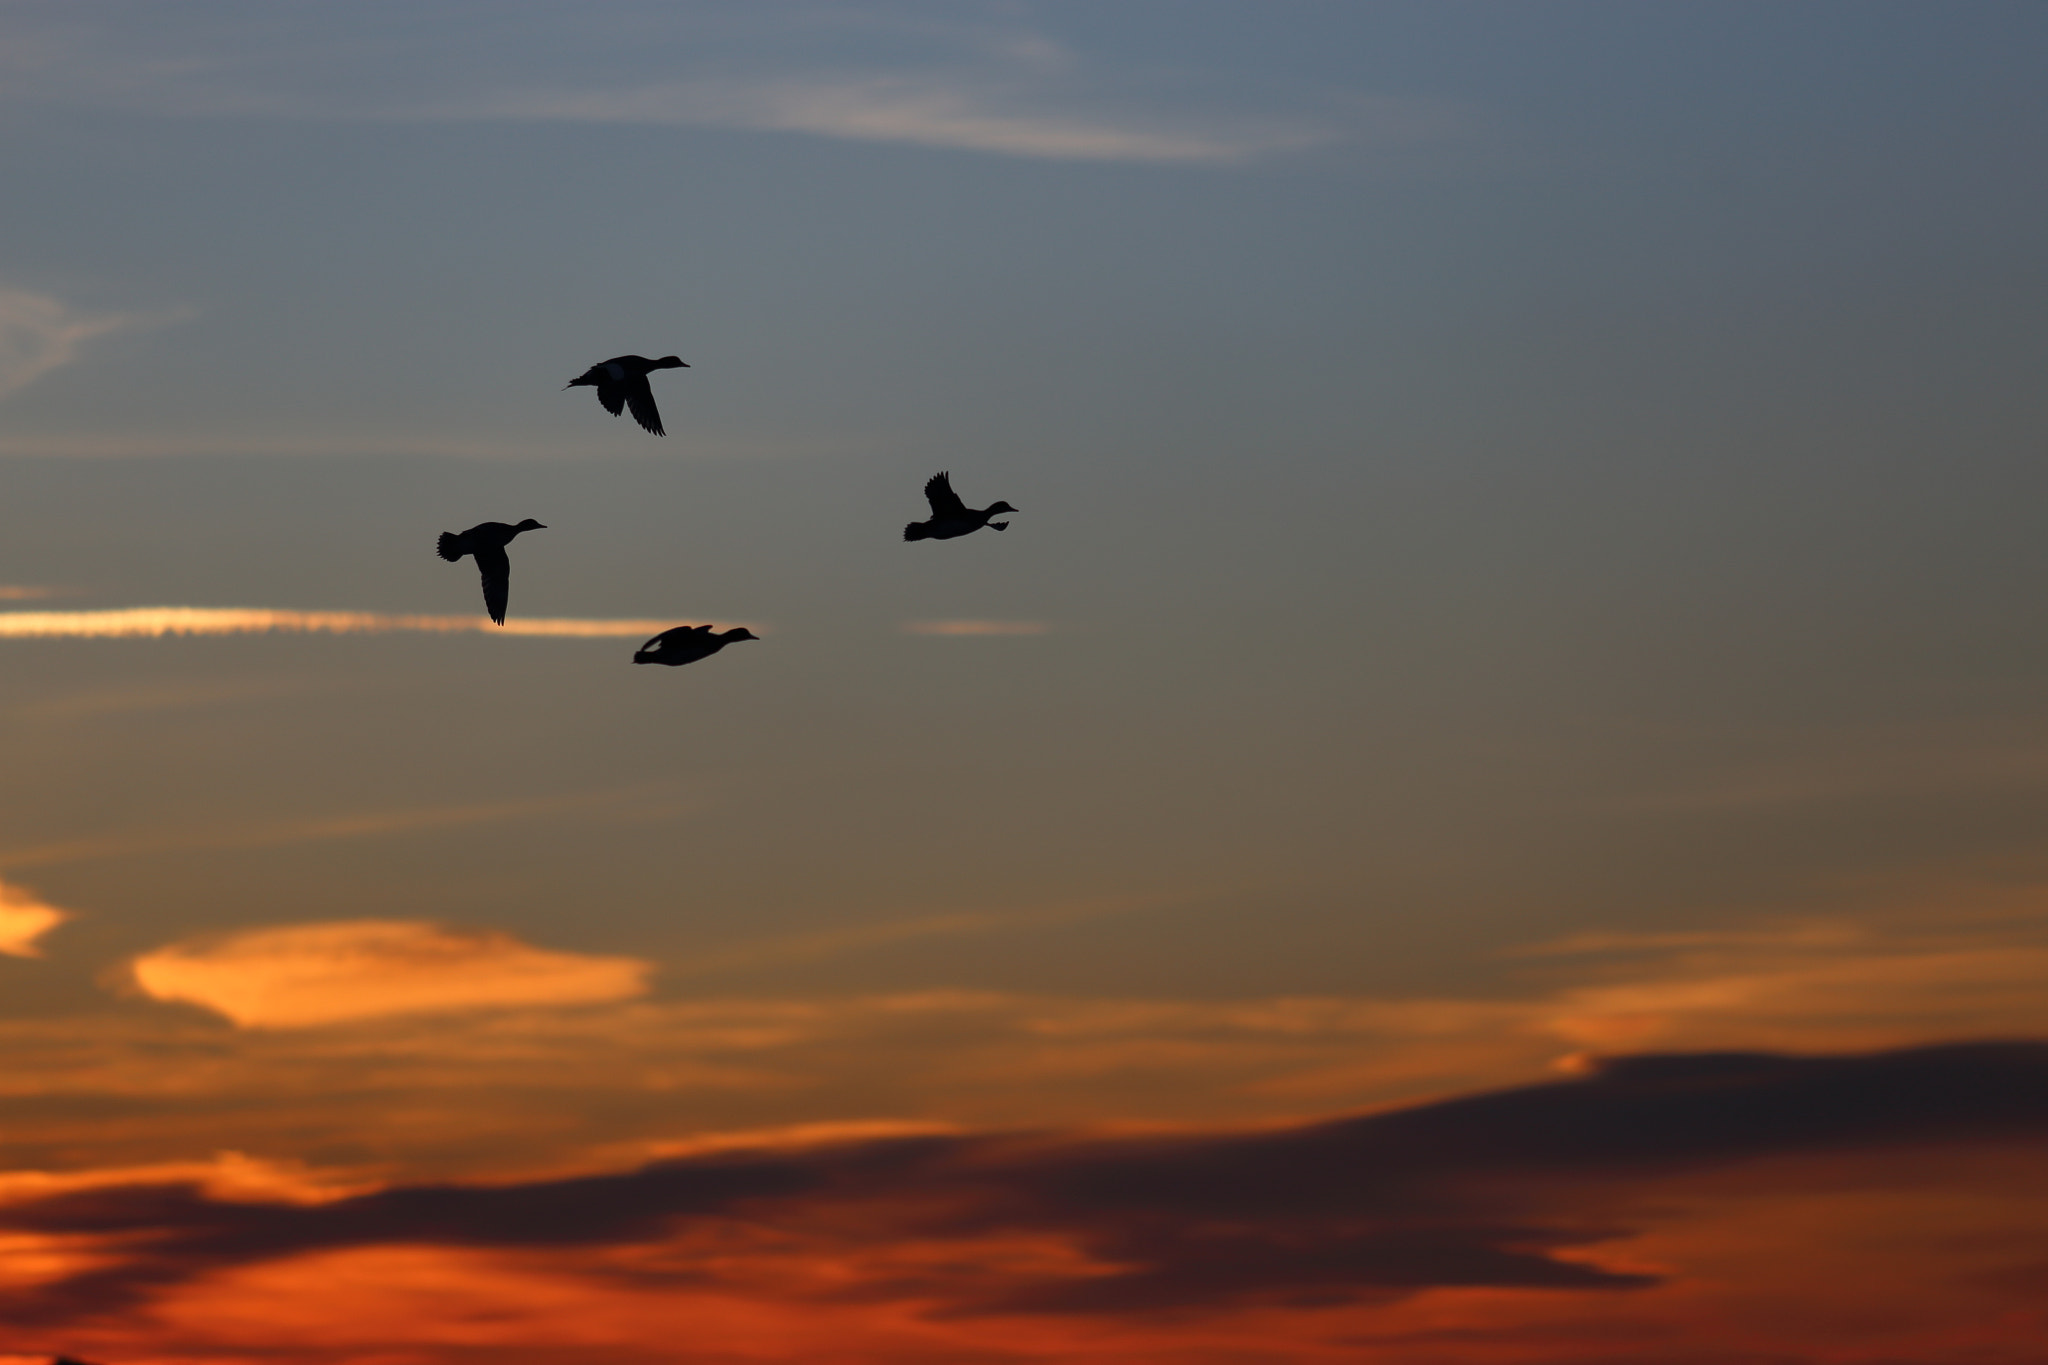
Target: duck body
[[687, 644], [621, 382], [486, 542], [950, 516]]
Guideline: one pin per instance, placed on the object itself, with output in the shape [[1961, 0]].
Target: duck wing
[[938, 491], [640, 398], [495, 566], [613, 396]]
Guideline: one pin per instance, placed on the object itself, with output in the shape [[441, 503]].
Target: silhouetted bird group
[[621, 383]]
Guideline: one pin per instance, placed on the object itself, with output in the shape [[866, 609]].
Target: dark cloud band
[[1482, 1190]]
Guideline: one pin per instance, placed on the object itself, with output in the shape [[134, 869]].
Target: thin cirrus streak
[[975, 627], [153, 622], [638, 798]]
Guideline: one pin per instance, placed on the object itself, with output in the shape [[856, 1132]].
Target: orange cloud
[[317, 974], [23, 920]]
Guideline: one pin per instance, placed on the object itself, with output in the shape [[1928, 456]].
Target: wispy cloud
[[19, 592], [24, 918], [977, 80], [367, 824], [150, 622], [929, 111], [975, 628], [827, 943], [40, 333], [978, 1057], [317, 444], [308, 975]]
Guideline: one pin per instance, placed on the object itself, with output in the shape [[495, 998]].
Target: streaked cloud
[[40, 333], [317, 444], [20, 592], [971, 1057], [975, 628], [309, 975], [24, 918], [148, 622]]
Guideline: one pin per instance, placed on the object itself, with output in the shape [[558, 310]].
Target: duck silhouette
[[487, 541], [621, 382], [687, 644], [950, 516]]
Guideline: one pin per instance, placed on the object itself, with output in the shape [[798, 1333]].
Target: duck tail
[[644, 656], [915, 531], [449, 547], [999, 526]]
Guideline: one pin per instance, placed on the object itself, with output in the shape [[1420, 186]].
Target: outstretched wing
[[938, 491], [496, 569], [613, 396], [641, 399]]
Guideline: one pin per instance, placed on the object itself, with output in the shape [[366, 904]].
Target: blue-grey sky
[[1501, 485]]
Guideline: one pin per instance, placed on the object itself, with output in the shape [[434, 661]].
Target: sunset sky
[[1490, 807]]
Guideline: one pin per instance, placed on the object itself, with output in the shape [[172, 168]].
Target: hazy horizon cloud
[[310, 975], [749, 1059]]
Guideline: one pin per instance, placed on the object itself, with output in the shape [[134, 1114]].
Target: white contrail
[[129, 622]]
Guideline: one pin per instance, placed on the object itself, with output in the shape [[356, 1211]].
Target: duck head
[[737, 633], [529, 525], [669, 362], [999, 506]]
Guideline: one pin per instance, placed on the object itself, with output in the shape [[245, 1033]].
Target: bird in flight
[[687, 644], [621, 382], [950, 516], [487, 541]]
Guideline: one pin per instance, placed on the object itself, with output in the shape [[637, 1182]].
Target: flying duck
[[950, 516], [487, 541], [687, 644], [621, 382]]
